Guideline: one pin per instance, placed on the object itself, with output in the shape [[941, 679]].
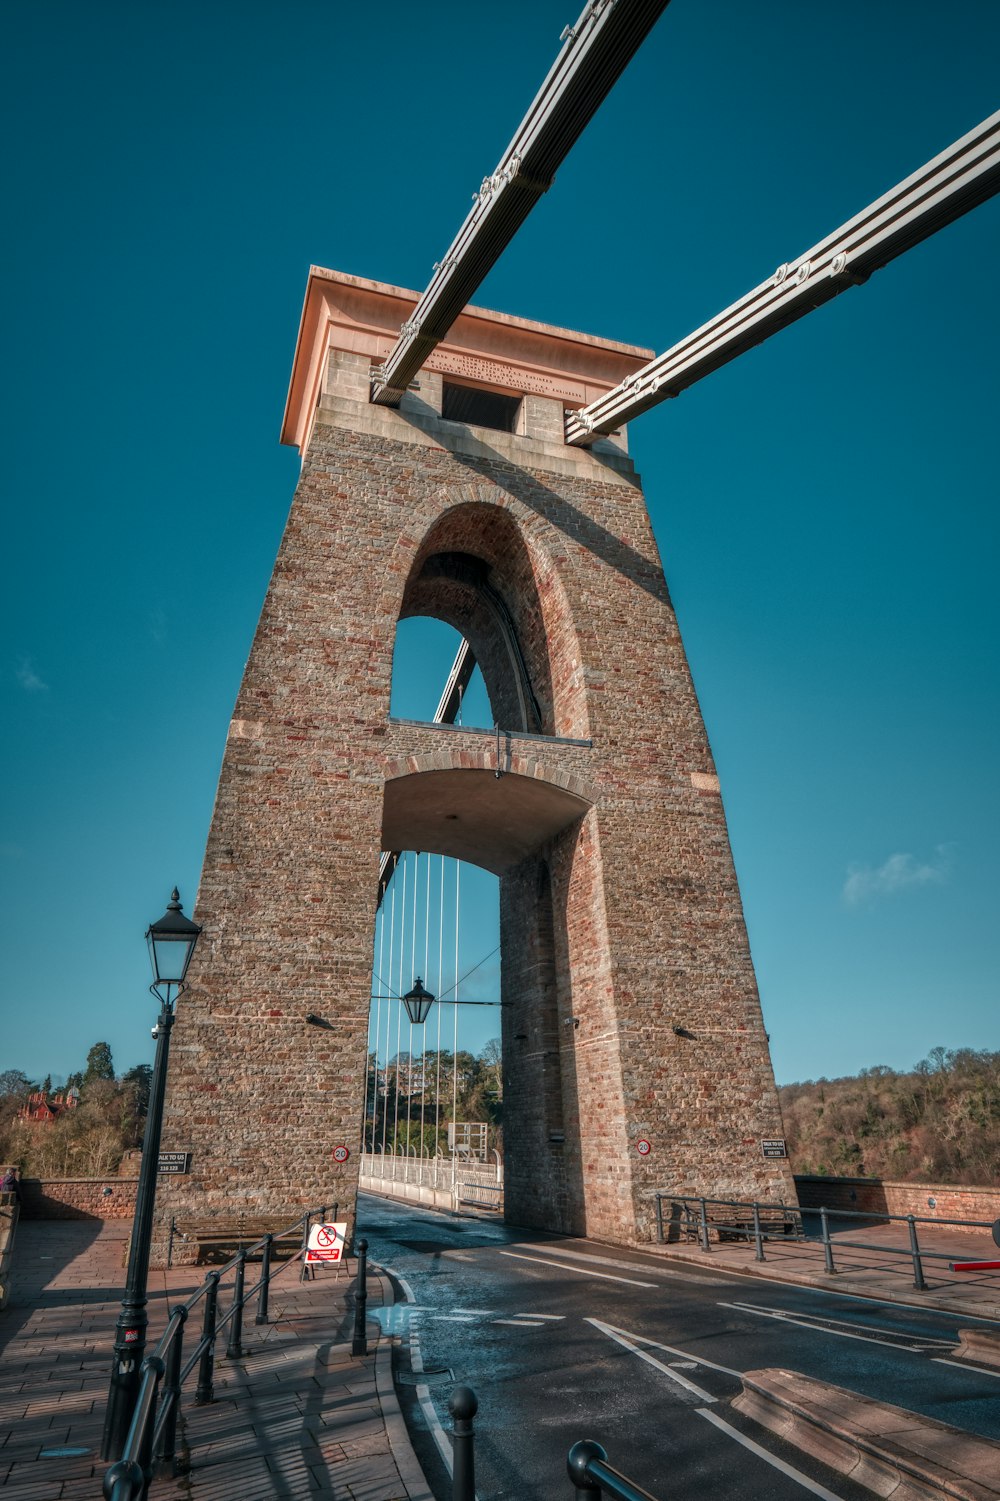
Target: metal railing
[[586, 1462], [757, 1219], [151, 1445], [593, 1477]]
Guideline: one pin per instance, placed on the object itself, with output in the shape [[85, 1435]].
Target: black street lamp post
[[171, 945]]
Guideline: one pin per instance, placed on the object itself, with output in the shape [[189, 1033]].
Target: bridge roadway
[[550, 1332], [565, 1339]]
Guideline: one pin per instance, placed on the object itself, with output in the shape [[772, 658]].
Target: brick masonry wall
[[78, 1198], [877, 1196], [648, 926]]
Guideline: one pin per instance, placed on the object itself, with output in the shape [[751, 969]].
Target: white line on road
[[583, 1271], [771, 1459], [422, 1390], [644, 1339], [629, 1343], [973, 1370], [522, 1323], [452, 1318], [785, 1316], [627, 1266]]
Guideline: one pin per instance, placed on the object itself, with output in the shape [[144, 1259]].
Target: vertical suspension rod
[[595, 51]]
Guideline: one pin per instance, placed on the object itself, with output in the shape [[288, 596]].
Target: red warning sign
[[326, 1242], [341, 1154], [643, 1147]]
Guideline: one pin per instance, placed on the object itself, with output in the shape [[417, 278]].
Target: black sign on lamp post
[[171, 944]]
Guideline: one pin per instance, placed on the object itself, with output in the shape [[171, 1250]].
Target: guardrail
[[593, 1477], [151, 1444], [586, 1462], [756, 1219]]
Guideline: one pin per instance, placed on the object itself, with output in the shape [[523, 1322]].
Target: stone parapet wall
[[940, 1201], [78, 1198]]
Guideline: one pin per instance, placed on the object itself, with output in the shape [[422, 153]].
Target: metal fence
[[759, 1221], [151, 1444], [443, 1181]]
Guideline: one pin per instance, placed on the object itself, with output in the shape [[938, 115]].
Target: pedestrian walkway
[[883, 1269], [298, 1415]]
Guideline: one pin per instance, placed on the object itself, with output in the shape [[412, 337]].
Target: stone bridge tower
[[635, 1016]]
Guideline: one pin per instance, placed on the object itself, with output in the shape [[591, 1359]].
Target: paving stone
[[296, 1420]]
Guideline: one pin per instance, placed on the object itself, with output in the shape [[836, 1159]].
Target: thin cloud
[[900, 872], [28, 677]]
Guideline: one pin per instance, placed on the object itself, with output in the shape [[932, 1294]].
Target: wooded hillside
[[940, 1123]]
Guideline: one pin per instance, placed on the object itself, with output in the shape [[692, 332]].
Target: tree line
[[937, 1123], [410, 1100], [87, 1139]]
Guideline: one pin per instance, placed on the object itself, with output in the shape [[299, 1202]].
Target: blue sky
[[826, 507]]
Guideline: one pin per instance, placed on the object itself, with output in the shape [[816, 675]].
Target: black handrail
[[593, 1477], [150, 1446], [696, 1222]]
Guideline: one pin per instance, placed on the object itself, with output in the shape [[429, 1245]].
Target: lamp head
[[171, 944], [418, 1002]]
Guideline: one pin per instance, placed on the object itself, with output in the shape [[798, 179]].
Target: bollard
[[204, 1391], [304, 1271], [703, 1225], [587, 1463], [359, 1345], [234, 1347], [758, 1237], [659, 1218], [827, 1247], [576, 1463], [918, 1266], [463, 1404], [265, 1281], [166, 1449]]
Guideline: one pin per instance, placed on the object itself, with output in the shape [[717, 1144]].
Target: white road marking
[[633, 1349], [771, 1459], [627, 1266], [583, 1271], [644, 1339], [452, 1318], [483, 1313], [522, 1323], [422, 1390], [804, 1321], [976, 1370]]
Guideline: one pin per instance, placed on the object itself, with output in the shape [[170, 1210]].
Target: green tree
[[99, 1064]]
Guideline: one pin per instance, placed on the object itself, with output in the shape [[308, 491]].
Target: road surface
[[563, 1339]]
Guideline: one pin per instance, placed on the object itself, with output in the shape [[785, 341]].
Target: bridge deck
[[298, 1415]]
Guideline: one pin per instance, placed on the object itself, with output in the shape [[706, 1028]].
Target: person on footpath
[[9, 1184]]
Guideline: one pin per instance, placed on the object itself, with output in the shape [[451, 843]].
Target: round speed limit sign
[[340, 1154], [643, 1147]]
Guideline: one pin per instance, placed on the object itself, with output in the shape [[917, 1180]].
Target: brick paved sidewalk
[[297, 1416]]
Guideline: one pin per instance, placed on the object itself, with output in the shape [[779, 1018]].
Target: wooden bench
[[222, 1238], [737, 1223]]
